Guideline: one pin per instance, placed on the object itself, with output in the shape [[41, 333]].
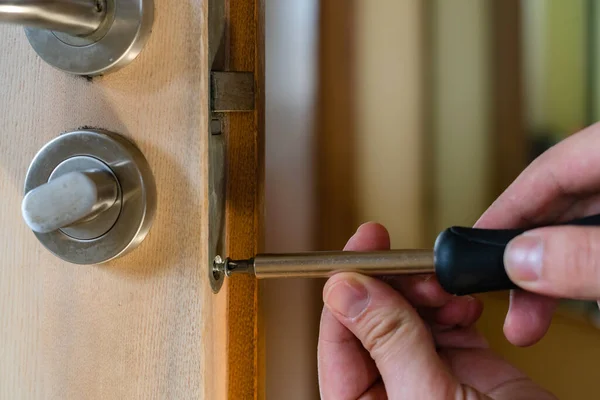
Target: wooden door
[[147, 325]]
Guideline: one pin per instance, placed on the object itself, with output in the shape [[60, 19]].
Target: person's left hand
[[407, 339]]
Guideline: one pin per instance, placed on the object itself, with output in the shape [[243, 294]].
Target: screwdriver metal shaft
[[325, 264]]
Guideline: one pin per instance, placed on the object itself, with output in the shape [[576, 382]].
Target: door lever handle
[[83, 37], [74, 17]]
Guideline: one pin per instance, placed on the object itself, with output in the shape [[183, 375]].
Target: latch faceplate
[[230, 91]]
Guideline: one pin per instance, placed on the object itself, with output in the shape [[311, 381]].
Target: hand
[[407, 339], [555, 262]]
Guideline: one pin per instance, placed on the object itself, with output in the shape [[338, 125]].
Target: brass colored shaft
[[325, 264]]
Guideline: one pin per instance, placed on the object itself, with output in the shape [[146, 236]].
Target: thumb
[[556, 261], [394, 335]]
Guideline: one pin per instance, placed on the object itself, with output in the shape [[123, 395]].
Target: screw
[[219, 267]]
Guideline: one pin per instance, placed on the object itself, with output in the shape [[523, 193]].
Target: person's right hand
[[552, 262]]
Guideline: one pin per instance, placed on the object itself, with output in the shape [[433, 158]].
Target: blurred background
[[416, 114]]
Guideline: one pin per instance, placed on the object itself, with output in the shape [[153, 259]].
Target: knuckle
[[579, 266], [465, 392], [385, 328], [584, 262]]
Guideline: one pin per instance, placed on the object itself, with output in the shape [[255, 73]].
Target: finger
[[491, 370], [528, 318], [346, 369], [393, 334], [465, 338], [557, 262], [369, 237], [420, 290], [587, 206], [375, 392], [550, 185], [460, 311]]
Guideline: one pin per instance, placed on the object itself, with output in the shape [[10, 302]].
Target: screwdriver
[[464, 260]]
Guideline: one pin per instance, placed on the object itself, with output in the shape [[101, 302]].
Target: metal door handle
[[74, 17], [83, 37]]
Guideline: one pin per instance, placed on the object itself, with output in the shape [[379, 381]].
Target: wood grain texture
[[145, 326], [245, 179], [259, 212]]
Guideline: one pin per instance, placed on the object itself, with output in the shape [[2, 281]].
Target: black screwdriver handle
[[470, 260]]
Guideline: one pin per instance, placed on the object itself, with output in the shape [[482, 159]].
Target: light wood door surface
[[145, 326]]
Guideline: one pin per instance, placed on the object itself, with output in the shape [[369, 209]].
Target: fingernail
[[348, 298], [523, 258]]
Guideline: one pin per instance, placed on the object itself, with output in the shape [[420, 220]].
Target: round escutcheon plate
[[137, 193], [117, 42]]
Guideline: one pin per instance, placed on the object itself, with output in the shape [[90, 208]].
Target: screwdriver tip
[[228, 266]]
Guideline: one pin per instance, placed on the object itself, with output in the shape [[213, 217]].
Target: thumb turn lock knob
[[89, 196], [70, 199]]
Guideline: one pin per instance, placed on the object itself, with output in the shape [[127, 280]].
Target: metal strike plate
[[230, 91]]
